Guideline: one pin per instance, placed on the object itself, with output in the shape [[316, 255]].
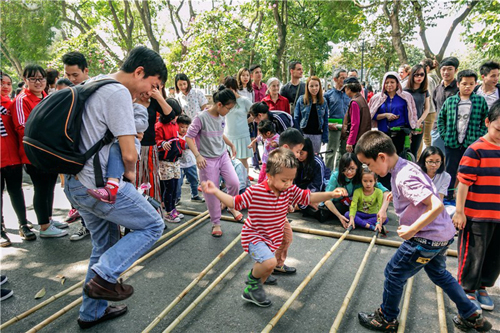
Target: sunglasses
[[419, 75]]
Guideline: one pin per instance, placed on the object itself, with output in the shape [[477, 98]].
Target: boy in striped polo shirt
[[267, 205], [478, 213]]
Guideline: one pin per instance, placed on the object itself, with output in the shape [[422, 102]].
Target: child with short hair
[[366, 202], [461, 123], [477, 214], [267, 205], [170, 148], [427, 230], [188, 163], [268, 135]]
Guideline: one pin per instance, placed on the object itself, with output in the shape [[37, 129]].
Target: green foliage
[[487, 39]]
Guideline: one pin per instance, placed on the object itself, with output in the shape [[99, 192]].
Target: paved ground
[[33, 266]]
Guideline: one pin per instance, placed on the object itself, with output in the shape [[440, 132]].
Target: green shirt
[[369, 204]]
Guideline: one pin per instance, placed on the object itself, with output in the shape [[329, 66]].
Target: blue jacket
[[338, 103], [301, 116]]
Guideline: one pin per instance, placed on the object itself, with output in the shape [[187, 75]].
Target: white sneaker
[[80, 234], [52, 232], [59, 225]]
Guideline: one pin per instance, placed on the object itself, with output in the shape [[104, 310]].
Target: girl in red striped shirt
[[267, 205]]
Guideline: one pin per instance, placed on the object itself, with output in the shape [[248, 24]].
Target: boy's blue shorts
[[260, 252]]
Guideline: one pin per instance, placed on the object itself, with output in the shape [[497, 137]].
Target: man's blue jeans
[[410, 258], [191, 174], [111, 255]]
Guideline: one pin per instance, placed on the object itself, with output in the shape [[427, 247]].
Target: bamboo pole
[[204, 294], [406, 305], [192, 212], [79, 284], [137, 262], [304, 283], [441, 311], [347, 299], [190, 286]]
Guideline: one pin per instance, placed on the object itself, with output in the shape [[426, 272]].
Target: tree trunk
[[281, 24], [397, 43], [257, 33], [12, 59], [146, 21]]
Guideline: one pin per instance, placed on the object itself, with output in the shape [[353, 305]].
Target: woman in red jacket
[[11, 166], [44, 183]]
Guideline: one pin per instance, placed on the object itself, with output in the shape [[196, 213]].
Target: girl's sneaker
[[103, 194], [485, 300], [177, 214], [52, 232], [169, 217]]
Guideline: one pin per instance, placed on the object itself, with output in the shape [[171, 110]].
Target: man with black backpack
[[110, 107]]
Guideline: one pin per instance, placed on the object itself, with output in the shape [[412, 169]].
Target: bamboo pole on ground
[[347, 299], [192, 212], [191, 285], [79, 284], [204, 294], [406, 305], [137, 262], [304, 283], [441, 311]]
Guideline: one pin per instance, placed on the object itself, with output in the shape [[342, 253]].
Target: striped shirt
[[3, 112], [267, 213], [479, 169]]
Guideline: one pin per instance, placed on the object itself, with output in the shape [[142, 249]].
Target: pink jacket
[[378, 99]]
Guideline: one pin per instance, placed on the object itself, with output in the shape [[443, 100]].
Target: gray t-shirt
[[442, 181], [207, 131], [491, 97], [419, 98], [141, 118], [110, 107], [463, 116]]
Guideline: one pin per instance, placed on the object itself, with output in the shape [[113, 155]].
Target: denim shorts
[[260, 252]]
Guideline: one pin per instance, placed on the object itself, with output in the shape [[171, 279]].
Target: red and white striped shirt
[[267, 213]]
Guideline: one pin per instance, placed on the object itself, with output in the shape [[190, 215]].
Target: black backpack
[[53, 132]]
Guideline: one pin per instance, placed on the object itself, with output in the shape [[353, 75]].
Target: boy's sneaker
[[73, 215], [484, 300], [171, 218], [5, 239], [271, 280], [175, 213], [3, 279], [284, 269], [80, 234], [476, 321], [26, 233], [376, 322], [6, 293], [52, 232], [197, 199], [254, 293], [473, 299], [59, 225], [103, 194]]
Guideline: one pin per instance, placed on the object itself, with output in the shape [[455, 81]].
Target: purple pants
[[361, 219], [216, 167]]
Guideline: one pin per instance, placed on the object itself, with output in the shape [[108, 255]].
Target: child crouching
[[267, 205]]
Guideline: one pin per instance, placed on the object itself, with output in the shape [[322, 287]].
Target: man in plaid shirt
[[461, 123]]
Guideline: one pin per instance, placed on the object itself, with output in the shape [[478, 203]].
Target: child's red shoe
[[103, 194]]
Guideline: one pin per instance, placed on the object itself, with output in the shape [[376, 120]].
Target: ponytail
[[224, 95]]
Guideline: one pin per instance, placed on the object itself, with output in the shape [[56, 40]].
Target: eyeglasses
[[39, 79], [419, 75], [433, 162], [351, 169]]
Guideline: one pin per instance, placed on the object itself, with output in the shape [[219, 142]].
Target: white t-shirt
[[110, 107], [464, 109], [442, 181], [192, 102], [187, 159], [490, 98]]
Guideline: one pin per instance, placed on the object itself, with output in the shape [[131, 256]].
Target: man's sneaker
[[6, 293], [59, 225], [80, 234], [73, 215], [52, 232], [5, 239], [271, 280], [103, 194], [254, 293], [376, 322], [3, 279], [473, 299], [284, 270], [119, 292], [177, 214], [171, 218], [197, 199], [476, 321], [484, 300], [177, 201], [26, 233]]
